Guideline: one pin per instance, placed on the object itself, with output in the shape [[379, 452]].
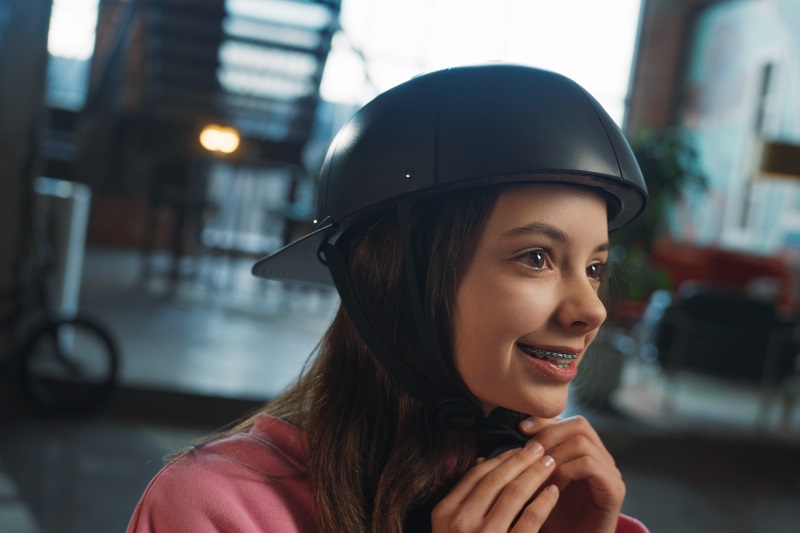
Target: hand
[[591, 486], [501, 494]]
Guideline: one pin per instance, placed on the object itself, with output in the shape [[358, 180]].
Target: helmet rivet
[[409, 173]]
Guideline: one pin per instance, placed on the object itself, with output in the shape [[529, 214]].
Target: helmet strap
[[404, 375], [404, 208], [456, 410]]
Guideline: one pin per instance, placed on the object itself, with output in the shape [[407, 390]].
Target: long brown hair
[[375, 452]]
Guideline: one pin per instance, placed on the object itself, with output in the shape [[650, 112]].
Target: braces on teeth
[[557, 358], [555, 354]]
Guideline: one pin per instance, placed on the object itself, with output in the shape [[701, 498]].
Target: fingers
[[532, 425], [516, 492], [537, 512], [473, 476], [581, 456], [604, 483], [494, 493], [554, 432], [483, 485]]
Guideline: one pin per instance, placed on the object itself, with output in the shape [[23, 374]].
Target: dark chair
[[728, 335]]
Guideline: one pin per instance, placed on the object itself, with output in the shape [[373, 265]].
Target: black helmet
[[457, 128], [452, 129]]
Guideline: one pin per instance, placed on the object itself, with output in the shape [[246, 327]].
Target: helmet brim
[[299, 261]]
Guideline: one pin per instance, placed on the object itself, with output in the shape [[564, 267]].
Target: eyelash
[[598, 276]]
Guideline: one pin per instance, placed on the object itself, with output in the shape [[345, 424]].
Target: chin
[[546, 408], [547, 405]]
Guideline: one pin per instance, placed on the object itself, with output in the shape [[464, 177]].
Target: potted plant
[[669, 163], [670, 166]]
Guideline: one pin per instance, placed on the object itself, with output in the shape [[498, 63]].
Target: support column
[[23, 70]]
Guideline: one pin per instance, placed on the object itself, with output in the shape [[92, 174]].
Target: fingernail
[[533, 447], [527, 424], [547, 461], [552, 488]]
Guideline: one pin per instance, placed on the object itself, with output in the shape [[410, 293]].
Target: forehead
[[575, 217], [579, 210]]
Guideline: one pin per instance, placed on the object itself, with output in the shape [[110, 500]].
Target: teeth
[[555, 354], [561, 360]]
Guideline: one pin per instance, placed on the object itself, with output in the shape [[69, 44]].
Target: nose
[[580, 308]]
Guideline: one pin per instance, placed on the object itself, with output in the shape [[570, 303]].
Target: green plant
[[669, 163]]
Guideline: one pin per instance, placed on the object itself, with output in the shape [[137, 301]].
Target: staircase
[[164, 69]]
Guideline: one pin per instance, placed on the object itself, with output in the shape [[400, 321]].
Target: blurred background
[[151, 150]]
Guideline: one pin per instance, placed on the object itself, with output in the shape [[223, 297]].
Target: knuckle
[[534, 517], [461, 523], [587, 462], [534, 514], [494, 478], [515, 490]]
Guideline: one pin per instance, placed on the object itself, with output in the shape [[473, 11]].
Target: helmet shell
[[464, 127]]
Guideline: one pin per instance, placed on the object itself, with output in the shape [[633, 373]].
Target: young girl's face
[[527, 298]]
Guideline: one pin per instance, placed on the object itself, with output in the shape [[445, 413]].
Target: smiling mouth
[[561, 360]]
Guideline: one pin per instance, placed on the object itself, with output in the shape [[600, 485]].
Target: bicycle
[[63, 363]]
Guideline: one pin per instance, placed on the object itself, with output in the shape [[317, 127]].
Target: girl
[[464, 219]]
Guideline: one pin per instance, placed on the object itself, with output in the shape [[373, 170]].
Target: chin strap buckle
[[456, 413], [459, 413]]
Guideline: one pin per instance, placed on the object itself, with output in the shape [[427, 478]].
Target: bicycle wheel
[[70, 364]]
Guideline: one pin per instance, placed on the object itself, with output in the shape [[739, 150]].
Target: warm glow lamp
[[222, 139]]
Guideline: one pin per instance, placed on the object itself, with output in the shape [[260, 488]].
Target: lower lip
[[551, 371]]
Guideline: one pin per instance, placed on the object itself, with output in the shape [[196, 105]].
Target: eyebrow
[[542, 228]]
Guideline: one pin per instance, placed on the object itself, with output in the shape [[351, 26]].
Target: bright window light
[[385, 42], [72, 29]]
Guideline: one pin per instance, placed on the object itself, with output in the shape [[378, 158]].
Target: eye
[[597, 271], [536, 259]]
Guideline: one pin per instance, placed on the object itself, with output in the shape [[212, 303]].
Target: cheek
[[471, 329], [491, 319], [503, 298]]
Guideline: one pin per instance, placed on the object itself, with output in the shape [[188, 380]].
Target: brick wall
[[665, 38]]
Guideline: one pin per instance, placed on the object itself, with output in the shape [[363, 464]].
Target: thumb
[[533, 424]]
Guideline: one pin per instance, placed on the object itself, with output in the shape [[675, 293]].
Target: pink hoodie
[[250, 482]]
